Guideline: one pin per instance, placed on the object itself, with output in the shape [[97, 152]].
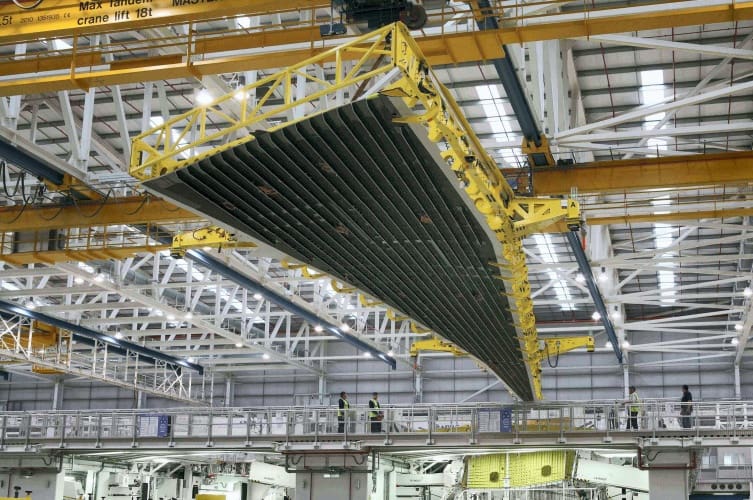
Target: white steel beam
[[643, 111], [621, 135], [659, 44]]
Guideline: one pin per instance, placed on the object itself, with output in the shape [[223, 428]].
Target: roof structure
[[672, 258]]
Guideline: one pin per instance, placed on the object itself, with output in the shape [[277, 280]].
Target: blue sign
[[505, 420], [163, 426]]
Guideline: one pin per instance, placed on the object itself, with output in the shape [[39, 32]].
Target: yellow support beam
[[78, 255], [199, 56], [551, 349], [114, 211], [681, 215], [66, 18], [644, 174], [532, 215], [435, 345]]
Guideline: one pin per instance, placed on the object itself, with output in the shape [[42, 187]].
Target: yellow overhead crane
[[204, 52], [42, 342], [86, 230], [387, 53]]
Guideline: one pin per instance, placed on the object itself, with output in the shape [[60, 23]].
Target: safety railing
[[283, 424]]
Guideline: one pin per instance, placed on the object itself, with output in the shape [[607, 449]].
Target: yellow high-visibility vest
[[346, 406], [374, 413], [635, 402]]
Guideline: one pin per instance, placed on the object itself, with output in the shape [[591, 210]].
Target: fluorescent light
[[78, 280], [170, 317], [118, 335], [580, 278], [204, 97], [190, 359], [735, 341], [748, 291], [367, 354], [318, 329], [625, 344], [239, 344], [265, 356], [549, 255], [31, 305], [390, 353], [608, 345], [596, 316], [739, 327], [258, 296], [345, 327], [189, 315], [240, 94]]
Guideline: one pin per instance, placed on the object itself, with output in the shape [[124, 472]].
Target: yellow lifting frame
[[435, 345], [388, 52], [553, 347], [205, 237]]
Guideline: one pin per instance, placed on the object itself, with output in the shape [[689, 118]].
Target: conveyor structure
[[383, 186]]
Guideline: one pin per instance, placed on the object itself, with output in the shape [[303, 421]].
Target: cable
[[97, 211], [141, 205], [556, 359]]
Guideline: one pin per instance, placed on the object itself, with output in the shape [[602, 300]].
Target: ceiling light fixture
[[189, 315], [258, 296], [390, 353], [118, 335], [190, 359], [204, 97], [345, 327], [170, 317], [748, 292], [596, 316], [318, 329], [78, 280], [625, 344], [239, 344], [367, 354], [603, 275], [734, 341], [265, 356], [579, 278], [608, 345], [739, 327]]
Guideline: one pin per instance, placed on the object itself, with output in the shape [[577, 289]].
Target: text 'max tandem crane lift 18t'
[[389, 63]]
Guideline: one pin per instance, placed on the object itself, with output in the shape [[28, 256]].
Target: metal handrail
[[317, 424]]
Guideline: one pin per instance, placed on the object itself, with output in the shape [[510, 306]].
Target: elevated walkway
[[313, 430]]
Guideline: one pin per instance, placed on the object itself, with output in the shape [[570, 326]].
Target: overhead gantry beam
[[645, 173], [113, 211], [271, 48]]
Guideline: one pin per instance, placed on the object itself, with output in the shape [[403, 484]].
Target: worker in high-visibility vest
[[375, 416], [634, 407], [343, 406]]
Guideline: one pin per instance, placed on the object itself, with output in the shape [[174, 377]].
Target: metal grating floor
[[364, 199]]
